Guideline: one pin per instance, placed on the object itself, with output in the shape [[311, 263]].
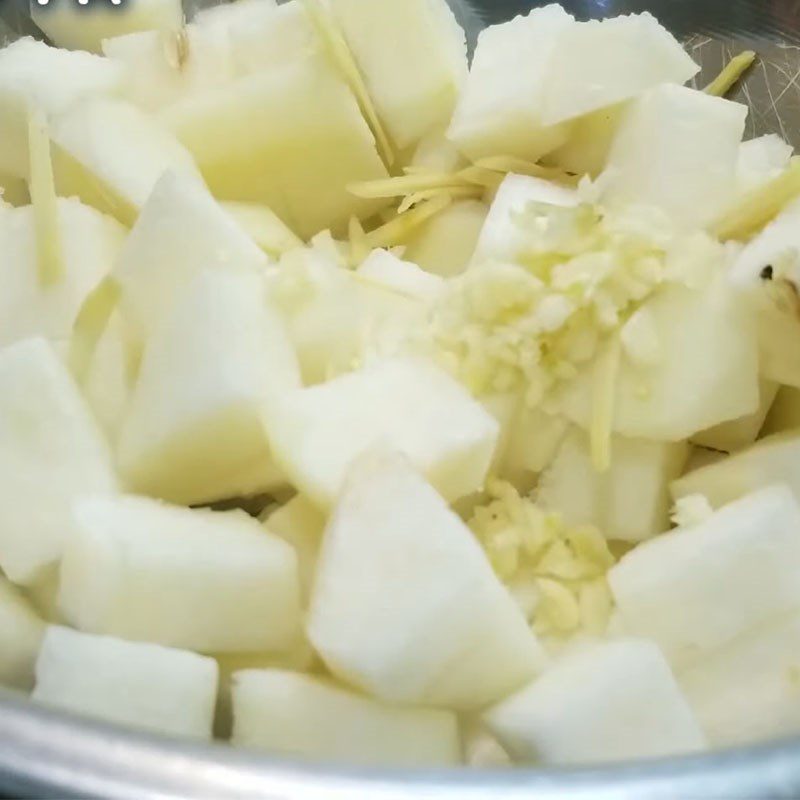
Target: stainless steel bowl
[[44, 754]]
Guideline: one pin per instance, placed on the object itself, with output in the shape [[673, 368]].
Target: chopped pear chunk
[[410, 403], [610, 701], [405, 604], [21, 631], [194, 431], [289, 714], [142, 685], [181, 232], [676, 589], [677, 149], [215, 582], [291, 137]]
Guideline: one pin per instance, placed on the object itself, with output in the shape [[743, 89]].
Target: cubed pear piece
[[317, 433], [264, 227], [395, 274], [300, 523], [180, 232], [33, 74], [90, 242], [739, 433], [210, 581], [289, 714], [785, 412], [499, 112], [21, 631], [600, 63], [83, 27], [146, 686], [590, 138], [761, 160], [51, 451], [677, 149], [194, 430], [291, 137], [772, 460], [630, 501], [748, 692], [502, 237], [110, 154], [415, 83], [706, 371], [405, 604], [696, 589], [610, 701], [162, 67], [336, 319], [445, 244]]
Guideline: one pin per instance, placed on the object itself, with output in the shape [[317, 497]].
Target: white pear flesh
[[676, 149], [180, 232], [677, 588], [21, 632], [771, 460], [194, 430], [628, 502], [79, 27], [415, 83], [707, 342], [262, 139], [48, 438], [446, 243], [289, 714], [502, 237], [500, 109], [405, 604], [90, 243], [209, 581], [318, 432], [111, 154], [599, 63], [607, 702], [35, 75], [749, 691], [140, 685]]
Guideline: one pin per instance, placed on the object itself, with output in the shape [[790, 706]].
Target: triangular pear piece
[[194, 431], [180, 232], [405, 604]]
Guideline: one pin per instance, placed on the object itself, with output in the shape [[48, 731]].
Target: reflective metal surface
[[50, 755]]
